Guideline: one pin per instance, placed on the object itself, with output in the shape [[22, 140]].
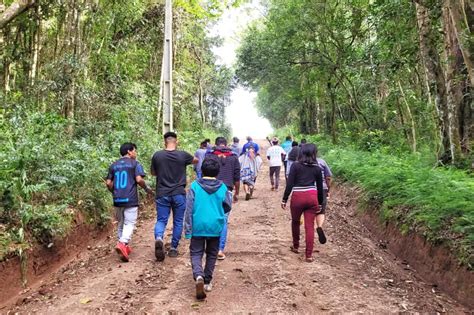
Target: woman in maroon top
[[305, 182]]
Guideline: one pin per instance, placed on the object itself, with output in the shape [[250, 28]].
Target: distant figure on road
[[292, 156], [122, 179], [287, 148], [199, 154], [250, 164], [207, 202], [276, 155], [235, 146], [209, 145], [248, 144], [306, 198], [169, 167]]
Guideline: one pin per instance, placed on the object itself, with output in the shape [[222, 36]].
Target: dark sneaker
[[321, 236], [200, 294], [173, 252], [159, 250], [247, 196], [121, 249]]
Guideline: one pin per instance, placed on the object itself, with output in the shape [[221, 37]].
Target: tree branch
[[15, 9]]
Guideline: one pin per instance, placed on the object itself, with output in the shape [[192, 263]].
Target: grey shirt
[[199, 154], [326, 171]]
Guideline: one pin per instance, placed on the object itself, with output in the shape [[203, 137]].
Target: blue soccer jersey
[[123, 173]]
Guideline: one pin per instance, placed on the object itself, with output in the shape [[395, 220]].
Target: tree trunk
[[410, 117], [72, 44], [36, 46], [462, 17], [201, 105], [15, 9], [435, 76], [332, 97], [454, 66]]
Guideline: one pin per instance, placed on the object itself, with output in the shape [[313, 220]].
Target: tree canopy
[[374, 72]]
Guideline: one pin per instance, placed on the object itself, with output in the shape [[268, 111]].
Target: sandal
[[294, 250], [247, 196], [321, 236], [309, 259]]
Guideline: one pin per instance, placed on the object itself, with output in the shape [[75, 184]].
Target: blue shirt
[[248, 144], [123, 172], [286, 146]]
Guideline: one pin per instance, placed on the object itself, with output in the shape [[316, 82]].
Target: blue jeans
[[223, 238], [163, 209]]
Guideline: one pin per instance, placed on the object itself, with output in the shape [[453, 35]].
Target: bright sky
[[241, 114]]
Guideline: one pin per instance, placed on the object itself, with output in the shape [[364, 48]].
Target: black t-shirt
[[293, 154], [170, 170], [123, 172]]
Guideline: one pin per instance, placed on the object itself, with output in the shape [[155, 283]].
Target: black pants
[[275, 176], [199, 245]]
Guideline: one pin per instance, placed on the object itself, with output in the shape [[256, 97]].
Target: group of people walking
[[203, 211]]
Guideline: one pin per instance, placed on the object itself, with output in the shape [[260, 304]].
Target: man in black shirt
[[169, 167]]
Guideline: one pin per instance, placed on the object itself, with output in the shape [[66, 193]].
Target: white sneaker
[[208, 287]]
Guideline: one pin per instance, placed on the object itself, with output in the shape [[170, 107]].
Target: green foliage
[[350, 69], [96, 87]]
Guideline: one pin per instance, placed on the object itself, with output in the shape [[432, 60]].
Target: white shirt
[[274, 153]]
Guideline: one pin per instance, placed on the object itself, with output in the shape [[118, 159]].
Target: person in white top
[[276, 156]]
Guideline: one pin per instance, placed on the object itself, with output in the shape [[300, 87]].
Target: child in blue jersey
[[122, 179], [207, 202]]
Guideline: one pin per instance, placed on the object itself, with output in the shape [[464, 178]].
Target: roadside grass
[[436, 202]]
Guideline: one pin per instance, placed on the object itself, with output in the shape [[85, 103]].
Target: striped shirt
[[304, 177]]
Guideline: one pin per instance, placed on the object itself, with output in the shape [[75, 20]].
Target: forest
[[80, 77]]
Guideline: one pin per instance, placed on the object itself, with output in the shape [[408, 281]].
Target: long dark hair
[[308, 154]]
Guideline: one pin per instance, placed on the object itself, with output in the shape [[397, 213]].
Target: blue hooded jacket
[[207, 202]]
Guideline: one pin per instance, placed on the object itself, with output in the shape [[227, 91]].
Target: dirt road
[[351, 272]]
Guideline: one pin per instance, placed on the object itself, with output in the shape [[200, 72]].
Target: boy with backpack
[[207, 202], [122, 179]]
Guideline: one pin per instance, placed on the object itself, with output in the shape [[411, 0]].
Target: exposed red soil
[[43, 261]]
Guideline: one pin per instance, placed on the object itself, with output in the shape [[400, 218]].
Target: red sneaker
[[121, 249], [129, 249]]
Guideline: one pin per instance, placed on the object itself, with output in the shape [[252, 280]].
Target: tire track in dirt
[[351, 273]]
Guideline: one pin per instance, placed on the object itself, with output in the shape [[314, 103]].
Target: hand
[[283, 205], [236, 198], [150, 193]]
